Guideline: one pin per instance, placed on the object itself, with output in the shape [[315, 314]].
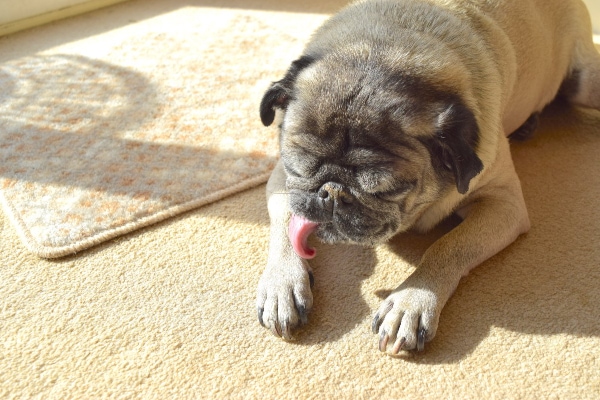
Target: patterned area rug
[[118, 130]]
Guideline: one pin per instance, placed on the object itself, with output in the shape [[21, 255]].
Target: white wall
[[594, 8], [13, 10]]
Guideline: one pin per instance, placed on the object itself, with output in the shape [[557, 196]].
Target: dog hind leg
[[582, 86]]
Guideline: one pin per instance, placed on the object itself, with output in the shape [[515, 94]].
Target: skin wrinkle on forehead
[[398, 110]]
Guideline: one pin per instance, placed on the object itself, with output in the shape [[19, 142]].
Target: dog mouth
[[353, 223], [300, 229]]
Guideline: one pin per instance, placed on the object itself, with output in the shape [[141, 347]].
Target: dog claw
[[260, 316], [303, 314], [286, 331], [383, 340], [376, 324], [276, 329], [421, 339], [398, 345]]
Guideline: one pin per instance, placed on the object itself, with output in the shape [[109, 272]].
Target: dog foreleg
[[284, 291], [493, 219]]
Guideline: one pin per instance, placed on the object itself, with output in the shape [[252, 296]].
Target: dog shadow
[[339, 305]]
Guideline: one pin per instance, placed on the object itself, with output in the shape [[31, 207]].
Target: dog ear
[[457, 137], [280, 92]]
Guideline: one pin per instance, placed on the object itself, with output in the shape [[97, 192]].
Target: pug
[[396, 115]]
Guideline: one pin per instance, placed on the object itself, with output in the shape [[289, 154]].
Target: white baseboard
[[30, 22]]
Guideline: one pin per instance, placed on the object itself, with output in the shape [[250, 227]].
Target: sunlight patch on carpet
[[116, 131]]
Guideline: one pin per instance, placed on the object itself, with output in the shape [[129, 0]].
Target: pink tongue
[[300, 229]]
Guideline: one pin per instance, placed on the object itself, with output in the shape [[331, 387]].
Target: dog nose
[[333, 193]]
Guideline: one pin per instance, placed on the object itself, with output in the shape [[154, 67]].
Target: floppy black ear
[[280, 92], [457, 138]]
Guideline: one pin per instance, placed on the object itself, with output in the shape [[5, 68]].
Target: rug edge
[[49, 252]]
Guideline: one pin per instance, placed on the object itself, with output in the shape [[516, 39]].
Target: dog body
[[396, 116]]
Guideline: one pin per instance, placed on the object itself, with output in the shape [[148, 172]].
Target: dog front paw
[[407, 319], [284, 297]]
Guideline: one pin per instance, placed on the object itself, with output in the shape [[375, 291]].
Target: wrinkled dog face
[[367, 149]]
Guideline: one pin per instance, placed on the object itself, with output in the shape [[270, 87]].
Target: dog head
[[367, 146]]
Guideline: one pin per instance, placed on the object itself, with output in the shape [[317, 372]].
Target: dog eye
[[398, 192], [290, 171], [300, 170]]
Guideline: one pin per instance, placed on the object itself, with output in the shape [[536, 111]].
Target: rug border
[[60, 251]]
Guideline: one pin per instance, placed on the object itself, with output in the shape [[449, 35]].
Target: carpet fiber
[[168, 311]]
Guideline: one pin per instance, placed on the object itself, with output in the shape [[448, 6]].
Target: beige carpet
[[168, 311]]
